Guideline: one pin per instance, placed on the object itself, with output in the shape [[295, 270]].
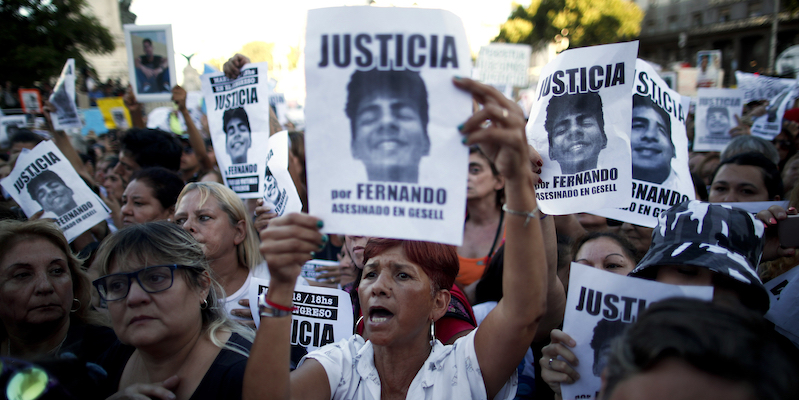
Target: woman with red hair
[[405, 289]]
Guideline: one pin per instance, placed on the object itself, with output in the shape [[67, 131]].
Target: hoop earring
[[358, 322], [204, 304], [79, 305], [432, 333]]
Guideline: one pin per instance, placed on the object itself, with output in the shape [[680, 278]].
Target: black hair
[[629, 250], [153, 148], [403, 84], [24, 135], [589, 103], [641, 101], [732, 343], [771, 175], [43, 178], [166, 184], [235, 113], [722, 110], [146, 40], [489, 287]]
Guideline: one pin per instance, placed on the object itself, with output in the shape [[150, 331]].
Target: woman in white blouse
[[404, 290]]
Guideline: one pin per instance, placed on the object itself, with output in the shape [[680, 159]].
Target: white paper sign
[[717, 111], [384, 155], [659, 146], [504, 64], [323, 315], [278, 103], [238, 117], [43, 178], [783, 292], [599, 306], [759, 87], [769, 125], [63, 99], [309, 271], [9, 124], [279, 191], [580, 124]]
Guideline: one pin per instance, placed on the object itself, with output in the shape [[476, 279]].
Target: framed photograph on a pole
[[151, 65]]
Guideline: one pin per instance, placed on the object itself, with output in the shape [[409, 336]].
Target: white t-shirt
[[450, 372], [260, 271]]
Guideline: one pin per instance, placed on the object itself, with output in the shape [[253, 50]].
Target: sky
[[214, 29]]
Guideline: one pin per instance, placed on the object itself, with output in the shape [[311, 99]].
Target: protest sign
[[716, 113], [783, 291], [659, 145], [63, 99], [384, 155], [309, 271], [92, 120], [322, 315], [769, 125], [115, 114], [238, 117], [278, 103], [44, 179], [31, 101], [580, 124], [279, 191], [759, 87], [709, 72], [599, 306], [504, 64], [151, 65], [9, 125]]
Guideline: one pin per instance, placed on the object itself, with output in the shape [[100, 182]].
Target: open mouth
[[379, 315], [577, 147], [648, 151], [388, 145]]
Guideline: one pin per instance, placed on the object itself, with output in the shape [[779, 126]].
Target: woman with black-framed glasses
[[175, 341]]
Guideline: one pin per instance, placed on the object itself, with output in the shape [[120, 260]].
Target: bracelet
[[278, 306], [526, 214], [271, 309]]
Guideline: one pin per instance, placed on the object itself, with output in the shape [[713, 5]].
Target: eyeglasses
[[151, 279], [23, 380]]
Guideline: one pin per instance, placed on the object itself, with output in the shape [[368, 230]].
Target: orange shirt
[[471, 270]]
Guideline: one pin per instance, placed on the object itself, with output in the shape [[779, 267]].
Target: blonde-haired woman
[[217, 218], [175, 342]]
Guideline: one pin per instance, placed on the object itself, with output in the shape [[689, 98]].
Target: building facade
[[674, 31]]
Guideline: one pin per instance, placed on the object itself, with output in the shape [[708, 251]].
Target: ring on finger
[[504, 113], [550, 363]]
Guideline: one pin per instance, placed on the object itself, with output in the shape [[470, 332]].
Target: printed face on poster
[[708, 66], [9, 125], [43, 179], [659, 147], [382, 113], [65, 115], [31, 101], [151, 65], [769, 125], [279, 191], [323, 315], [238, 117], [717, 111], [580, 124], [600, 305]]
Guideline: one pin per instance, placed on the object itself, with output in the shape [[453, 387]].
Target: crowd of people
[[153, 302]]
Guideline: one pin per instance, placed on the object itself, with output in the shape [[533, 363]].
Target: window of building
[[724, 14], [697, 19], [672, 22], [754, 9]]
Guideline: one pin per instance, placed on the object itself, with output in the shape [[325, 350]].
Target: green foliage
[[40, 35], [583, 22]]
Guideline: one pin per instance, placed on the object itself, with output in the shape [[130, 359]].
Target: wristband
[[271, 309]]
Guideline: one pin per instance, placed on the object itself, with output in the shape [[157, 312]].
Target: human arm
[[516, 316], [286, 245], [556, 294], [263, 214], [134, 108], [558, 371], [195, 138], [232, 67]]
